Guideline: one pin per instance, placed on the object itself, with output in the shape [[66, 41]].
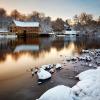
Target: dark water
[[16, 82]]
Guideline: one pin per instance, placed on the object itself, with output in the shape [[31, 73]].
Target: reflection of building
[[20, 48], [24, 27]]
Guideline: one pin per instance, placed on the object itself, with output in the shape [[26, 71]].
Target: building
[[25, 28]]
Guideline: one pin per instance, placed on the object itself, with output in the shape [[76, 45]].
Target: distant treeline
[[56, 25]]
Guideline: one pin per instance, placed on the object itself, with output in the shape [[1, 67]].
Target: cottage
[[20, 27]]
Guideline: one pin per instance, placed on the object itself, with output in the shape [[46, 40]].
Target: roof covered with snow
[[26, 24]]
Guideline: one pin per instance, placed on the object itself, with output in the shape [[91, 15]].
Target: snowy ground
[[3, 30]]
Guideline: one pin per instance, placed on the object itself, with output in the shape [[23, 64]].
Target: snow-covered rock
[[49, 66], [58, 66], [36, 70], [86, 74], [32, 73], [52, 70], [45, 66], [58, 93], [85, 51], [43, 74], [89, 85]]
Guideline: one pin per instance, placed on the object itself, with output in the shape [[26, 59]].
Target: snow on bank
[[8, 36], [3, 30], [88, 88], [89, 84], [58, 93]]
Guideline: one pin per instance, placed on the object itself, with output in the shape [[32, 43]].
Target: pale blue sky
[[54, 8]]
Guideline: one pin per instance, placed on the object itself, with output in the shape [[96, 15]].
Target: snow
[[26, 48], [85, 51], [86, 74], [49, 66], [43, 74], [8, 36], [45, 66], [70, 32], [89, 84], [58, 66], [58, 93], [3, 30], [3, 34], [51, 33], [26, 24], [88, 88]]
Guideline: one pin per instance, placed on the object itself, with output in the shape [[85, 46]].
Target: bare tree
[[35, 16], [3, 16], [58, 24], [15, 14], [2, 12], [76, 19], [85, 18], [23, 17], [98, 21]]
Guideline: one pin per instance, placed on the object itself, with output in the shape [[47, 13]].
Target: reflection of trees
[[34, 55], [88, 42], [85, 43], [58, 44], [2, 57], [7, 47], [21, 41], [16, 56], [45, 44]]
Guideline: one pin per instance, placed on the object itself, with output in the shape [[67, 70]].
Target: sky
[[54, 8]]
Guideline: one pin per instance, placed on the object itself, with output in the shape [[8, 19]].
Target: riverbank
[[83, 90]]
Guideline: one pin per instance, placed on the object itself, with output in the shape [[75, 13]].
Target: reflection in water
[[48, 51], [14, 64]]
